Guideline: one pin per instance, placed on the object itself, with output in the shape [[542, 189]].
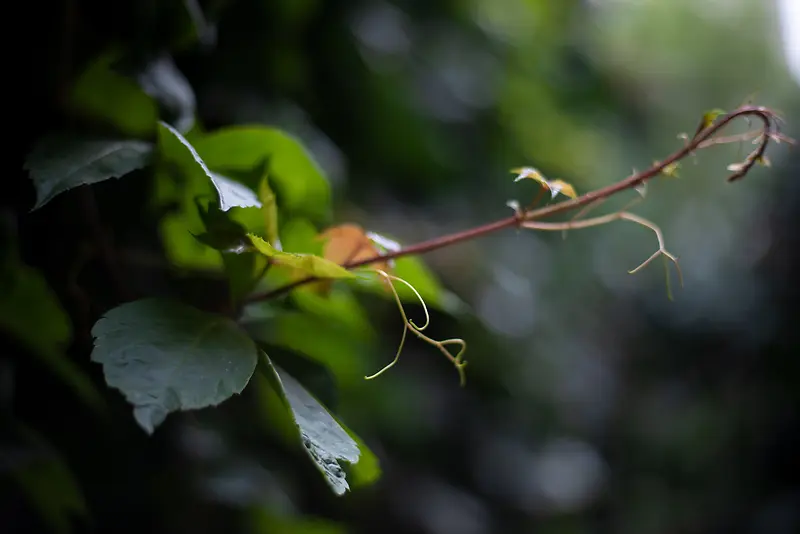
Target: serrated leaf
[[327, 444], [308, 264], [104, 95], [165, 356], [60, 161], [295, 176], [230, 193], [162, 80]]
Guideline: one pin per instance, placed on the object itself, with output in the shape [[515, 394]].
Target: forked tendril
[[408, 325], [619, 215]]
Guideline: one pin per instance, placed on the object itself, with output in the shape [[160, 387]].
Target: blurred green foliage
[[593, 403]]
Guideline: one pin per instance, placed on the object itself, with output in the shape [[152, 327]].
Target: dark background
[[593, 403]]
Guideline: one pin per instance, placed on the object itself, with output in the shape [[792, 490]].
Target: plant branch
[[703, 138]]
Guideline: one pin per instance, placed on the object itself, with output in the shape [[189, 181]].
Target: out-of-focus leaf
[[162, 80], [103, 95], [710, 116], [339, 349], [269, 209], [672, 170], [59, 162], [349, 243], [31, 314], [176, 148], [263, 522], [554, 186], [243, 264], [415, 272], [368, 469], [294, 175], [324, 440], [48, 483], [307, 264], [165, 356]]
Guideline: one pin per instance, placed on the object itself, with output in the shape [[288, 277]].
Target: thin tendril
[[408, 324]]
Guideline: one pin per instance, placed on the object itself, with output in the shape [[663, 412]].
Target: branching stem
[[703, 138]]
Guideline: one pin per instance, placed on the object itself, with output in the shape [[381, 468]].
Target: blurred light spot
[[443, 509], [570, 474], [383, 32], [789, 19], [566, 475], [508, 305]]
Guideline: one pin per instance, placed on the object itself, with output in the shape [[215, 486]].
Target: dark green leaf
[[176, 148], [102, 94], [31, 314], [165, 356], [162, 80], [48, 483], [323, 439], [294, 175], [59, 162]]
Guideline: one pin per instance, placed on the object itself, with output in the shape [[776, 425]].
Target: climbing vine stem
[[703, 138]]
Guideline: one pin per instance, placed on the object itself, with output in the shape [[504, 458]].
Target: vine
[[711, 123]]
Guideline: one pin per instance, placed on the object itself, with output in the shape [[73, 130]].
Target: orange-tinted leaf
[[349, 243]]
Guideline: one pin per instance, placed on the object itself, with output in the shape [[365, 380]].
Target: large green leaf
[[165, 356], [61, 161], [31, 314], [162, 80], [301, 187], [177, 149], [104, 95], [323, 438]]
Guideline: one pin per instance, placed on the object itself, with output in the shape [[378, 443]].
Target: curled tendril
[[410, 326]]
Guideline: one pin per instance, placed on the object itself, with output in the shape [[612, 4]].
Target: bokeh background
[[593, 402]]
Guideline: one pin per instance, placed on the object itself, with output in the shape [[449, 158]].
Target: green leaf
[[48, 482], [324, 440], [101, 94], [270, 211], [263, 522], [710, 116], [368, 469], [307, 264], [165, 356], [175, 147], [294, 175], [162, 80], [31, 314], [416, 273], [61, 161]]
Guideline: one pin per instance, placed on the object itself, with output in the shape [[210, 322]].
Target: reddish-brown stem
[[764, 114]]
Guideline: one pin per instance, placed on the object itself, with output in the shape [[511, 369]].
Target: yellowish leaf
[[560, 186], [307, 264], [554, 186]]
